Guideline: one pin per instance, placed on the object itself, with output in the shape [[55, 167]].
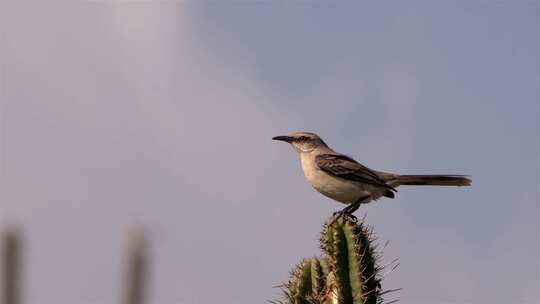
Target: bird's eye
[[303, 138]]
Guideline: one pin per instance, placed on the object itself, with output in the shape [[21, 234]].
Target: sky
[[160, 115]]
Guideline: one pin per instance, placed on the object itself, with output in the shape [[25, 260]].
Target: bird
[[345, 180]]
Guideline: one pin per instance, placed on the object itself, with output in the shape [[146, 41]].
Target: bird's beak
[[283, 138]]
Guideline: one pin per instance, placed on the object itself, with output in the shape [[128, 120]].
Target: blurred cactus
[[347, 274]]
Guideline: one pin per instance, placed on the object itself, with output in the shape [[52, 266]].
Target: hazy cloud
[[162, 114]]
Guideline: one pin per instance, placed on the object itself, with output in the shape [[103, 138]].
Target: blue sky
[[113, 114]]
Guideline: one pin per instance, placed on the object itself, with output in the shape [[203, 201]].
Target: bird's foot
[[342, 213], [339, 213], [347, 211]]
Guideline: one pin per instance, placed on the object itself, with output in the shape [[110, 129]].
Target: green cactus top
[[346, 274]]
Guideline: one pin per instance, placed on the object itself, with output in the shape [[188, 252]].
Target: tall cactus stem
[[348, 245]]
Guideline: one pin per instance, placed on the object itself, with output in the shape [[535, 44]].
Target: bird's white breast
[[335, 188]]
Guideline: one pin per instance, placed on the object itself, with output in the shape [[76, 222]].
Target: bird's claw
[[338, 213], [343, 214]]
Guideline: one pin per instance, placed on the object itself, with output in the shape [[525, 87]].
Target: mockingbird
[[343, 179]]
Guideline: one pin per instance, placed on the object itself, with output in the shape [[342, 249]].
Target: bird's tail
[[434, 180]]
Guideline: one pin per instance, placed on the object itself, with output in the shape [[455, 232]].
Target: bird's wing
[[342, 166]]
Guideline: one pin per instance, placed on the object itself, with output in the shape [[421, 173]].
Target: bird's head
[[302, 142]]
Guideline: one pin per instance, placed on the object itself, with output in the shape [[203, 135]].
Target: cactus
[[307, 284], [348, 272], [352, 260]]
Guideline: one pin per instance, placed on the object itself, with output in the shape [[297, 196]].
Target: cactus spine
[[351, 257], [307, 284], [348, 272]]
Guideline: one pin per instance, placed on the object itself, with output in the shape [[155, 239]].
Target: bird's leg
[[346, 212], [351, 208]]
